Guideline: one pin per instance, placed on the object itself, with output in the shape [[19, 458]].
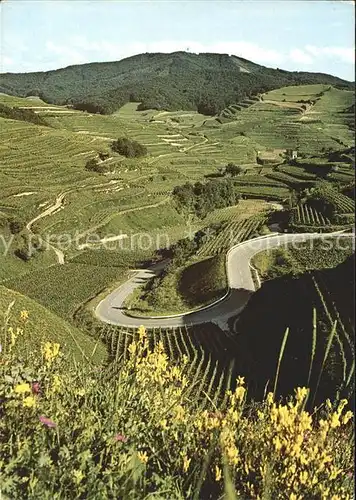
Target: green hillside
[[44, 326], [204, 82], [69, 233], [196, 411]]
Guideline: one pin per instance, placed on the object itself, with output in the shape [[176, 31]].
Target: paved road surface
[[240, 281]]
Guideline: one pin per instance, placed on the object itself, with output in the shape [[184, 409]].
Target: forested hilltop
[[203, 82]]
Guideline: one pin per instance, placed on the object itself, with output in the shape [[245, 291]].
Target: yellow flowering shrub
[[136, 428]]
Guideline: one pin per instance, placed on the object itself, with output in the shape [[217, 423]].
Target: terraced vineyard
[[274, 193], [296, 172], [208, 350], [342, 204], [232, 233], [230, 112], [288, 180], [39, 163], [306, 215]]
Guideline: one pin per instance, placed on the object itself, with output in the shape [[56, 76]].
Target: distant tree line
[[206, 83], [201, 198]]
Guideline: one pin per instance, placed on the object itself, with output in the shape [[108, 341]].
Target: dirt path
[[184, 150], [102, 241], [53, 208], [58, 204]]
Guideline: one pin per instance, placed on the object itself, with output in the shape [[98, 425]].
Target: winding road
[[240, 282]]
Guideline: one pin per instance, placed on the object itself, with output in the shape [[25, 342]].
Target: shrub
[[23, 254], [129, 148], [16, 226], [94, 166], [232, 169]]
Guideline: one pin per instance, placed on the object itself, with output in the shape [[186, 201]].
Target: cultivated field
[[45, 185]]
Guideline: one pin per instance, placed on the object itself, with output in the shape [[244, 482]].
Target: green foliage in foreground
[[135, 430]]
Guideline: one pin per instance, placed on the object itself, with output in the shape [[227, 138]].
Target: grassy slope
[[43, 326], [204, 281], [194, 285], [47, 161], [322, 254], [63, 289]]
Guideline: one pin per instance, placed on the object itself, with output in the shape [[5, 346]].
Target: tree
[[232, 169], [103, 156], [94, 166], [91, 164], [129, 148], [16, 226]]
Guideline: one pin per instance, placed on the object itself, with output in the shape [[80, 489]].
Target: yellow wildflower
[[269, 398], [56, 384], [239, 393], [29, 402], [277, 443], [22, 388], [132, 348], [305, 421], [303, 477], [240, 380], [24, 315], [217, 473], [334, 473], [78, 476], [179, 413], [142, 456], [335, 422], [13, 336], [186, 463], [348, 415], [50, 351], [142, 332], [163, 424], [232, 454], [342, 405], [301, 394]]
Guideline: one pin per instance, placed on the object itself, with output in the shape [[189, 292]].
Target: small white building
[[292, 154]]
